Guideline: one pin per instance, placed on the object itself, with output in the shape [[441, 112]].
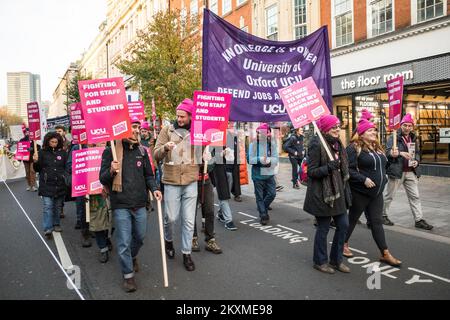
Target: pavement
[[267, 263]]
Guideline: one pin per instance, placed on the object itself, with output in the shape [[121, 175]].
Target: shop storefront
[[426, 96]]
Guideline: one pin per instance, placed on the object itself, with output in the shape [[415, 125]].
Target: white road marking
[[245, 214], [69, 279], [62, 251], [289, 228], [430, 275]]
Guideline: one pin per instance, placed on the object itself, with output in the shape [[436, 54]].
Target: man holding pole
[[403, 156], [128, 179], [180, 174]]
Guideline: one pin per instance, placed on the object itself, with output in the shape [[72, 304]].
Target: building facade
[[23, 87], [58, 107], [375, 40]]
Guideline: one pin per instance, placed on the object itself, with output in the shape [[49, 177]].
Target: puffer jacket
[[51, 166]]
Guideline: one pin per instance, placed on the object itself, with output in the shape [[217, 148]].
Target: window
[[343, 22], [226, 6], [194, 8], [272, 22], [381, 17], [239, 2], [300, 27], [213, 6], [429, 9]]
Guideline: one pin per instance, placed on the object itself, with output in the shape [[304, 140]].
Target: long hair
[[49, 136], [360, 144]]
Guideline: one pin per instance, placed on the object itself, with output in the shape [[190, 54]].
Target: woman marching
[[328, 194], [50, 162], [367, 164]]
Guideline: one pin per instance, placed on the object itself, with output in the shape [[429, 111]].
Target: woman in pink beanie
[[328, 195], [367, 115], [368, 178]]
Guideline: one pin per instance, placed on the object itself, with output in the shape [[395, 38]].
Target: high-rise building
[[23, 87]]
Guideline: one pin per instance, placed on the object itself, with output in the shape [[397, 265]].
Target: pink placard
[[23, 151], [395, 98], [79, 135], [85, 171], [34, 121], [303, 102], [105, 109], [210, 118], [136, 109]]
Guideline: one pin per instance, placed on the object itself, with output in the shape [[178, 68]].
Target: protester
[[367, 166], [404, 170], [206, 201], [294, 147], [180, 175], [147, 139], [263, 156], [61, 130], [29, 169], [128, 180], [328, 194], [234, 168], [223, 181], [50, 162]]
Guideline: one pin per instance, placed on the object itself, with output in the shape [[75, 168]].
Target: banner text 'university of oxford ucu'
[[252, 69]]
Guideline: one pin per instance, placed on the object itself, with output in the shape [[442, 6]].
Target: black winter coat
[[51, 166], [317, 171], [370, 165], [137, 177], [293, 145]]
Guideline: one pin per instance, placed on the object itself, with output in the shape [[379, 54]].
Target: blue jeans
[[265, 193], [180, 200], [52, 211], [130, 230], [224, 205], [320, 240]]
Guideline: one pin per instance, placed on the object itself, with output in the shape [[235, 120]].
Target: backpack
[[285, 142]]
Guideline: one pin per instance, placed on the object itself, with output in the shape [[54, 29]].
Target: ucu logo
[[80, 187], [274, 108], [98, 131]]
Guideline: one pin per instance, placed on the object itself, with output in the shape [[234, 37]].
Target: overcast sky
[[44, 37]]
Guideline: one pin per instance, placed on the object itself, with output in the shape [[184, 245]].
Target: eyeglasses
[[336, 127]]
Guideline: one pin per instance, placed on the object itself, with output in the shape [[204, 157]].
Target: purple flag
[[253, 69]]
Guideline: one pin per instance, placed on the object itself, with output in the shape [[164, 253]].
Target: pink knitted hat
[[365, 114], [407, 119], [325, 123], [364, 125], [145, 125], [135, 120], [187, 105]]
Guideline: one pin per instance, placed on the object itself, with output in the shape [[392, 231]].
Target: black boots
[[170, 251], [188, 263]]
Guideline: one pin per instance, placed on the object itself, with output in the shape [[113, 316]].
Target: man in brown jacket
[[180, 173]]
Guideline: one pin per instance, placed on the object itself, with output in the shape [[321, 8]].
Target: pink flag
[[34, 120], [105, 109], [395, 98], [23, 152], [303, 102], [136, 109], [85, 171], [77, 124], [210, 118]]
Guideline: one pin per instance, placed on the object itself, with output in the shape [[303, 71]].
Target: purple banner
[[253, 69]]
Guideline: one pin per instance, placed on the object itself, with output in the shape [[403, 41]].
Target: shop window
[[380, 17], [272, 23], [300, 26], [343, 22]]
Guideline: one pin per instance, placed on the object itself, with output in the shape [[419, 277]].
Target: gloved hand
[[333, 165]]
